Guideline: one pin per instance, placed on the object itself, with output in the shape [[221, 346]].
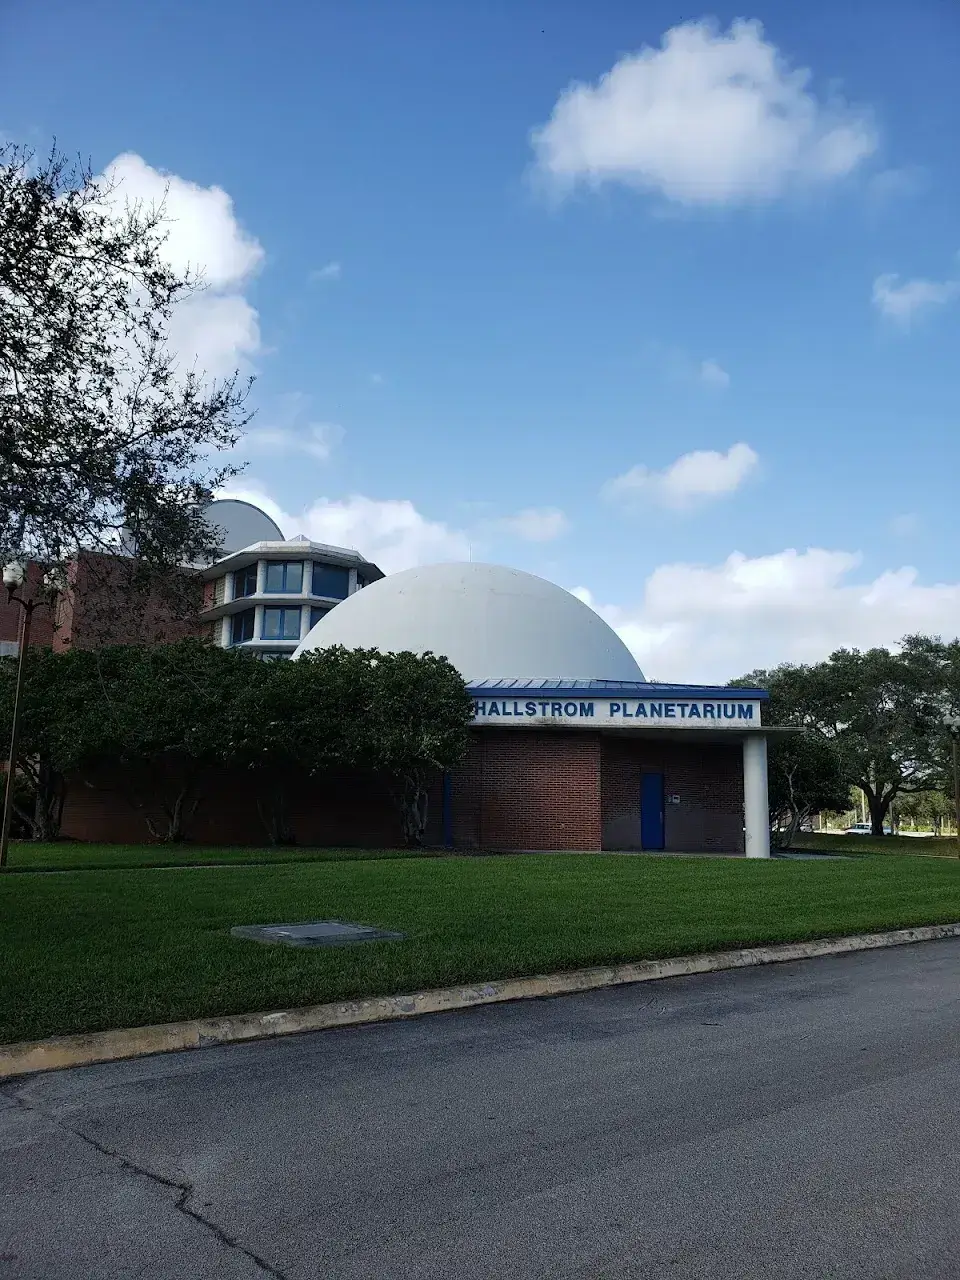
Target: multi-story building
[[265, 593], [268, 596]]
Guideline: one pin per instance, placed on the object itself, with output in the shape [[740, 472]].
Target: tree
[[104, 441], [927, 809], [160, 714], [882, 712], [54, 687], [417, 728], [805, 778], [158, 720], [292, 721], [397, 716]]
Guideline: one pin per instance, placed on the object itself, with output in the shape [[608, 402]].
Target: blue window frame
[[284, 575], [281, 624], [241, 626], [331, 580], [245, 582], [316, 613]]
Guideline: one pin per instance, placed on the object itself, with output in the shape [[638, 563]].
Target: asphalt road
[[794, 1121]]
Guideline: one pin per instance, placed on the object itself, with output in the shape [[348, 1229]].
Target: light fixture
[[14, 574]]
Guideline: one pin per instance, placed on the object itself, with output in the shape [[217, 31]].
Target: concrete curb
[[58, 1052]]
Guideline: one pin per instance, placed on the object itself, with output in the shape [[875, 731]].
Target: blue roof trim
[[611, 688]]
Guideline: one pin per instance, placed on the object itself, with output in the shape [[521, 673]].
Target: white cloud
[[390, 532], [710, 117], [901, 302], [695, 477], [316, 439], [713, 374], [331, 271], [216, 329], [215, 334], [714, 622], [536, 524]]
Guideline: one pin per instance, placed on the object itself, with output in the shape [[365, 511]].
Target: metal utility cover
[[313, 933]]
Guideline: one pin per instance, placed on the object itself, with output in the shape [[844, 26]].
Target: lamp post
[[952, 724], [14, 577]]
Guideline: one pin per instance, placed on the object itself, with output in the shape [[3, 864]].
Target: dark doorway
[[651, 810]]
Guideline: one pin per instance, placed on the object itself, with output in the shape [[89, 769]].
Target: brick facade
[[100, 605], [707, 776], [516, 790], [528, 790], [347, 812], [105, 604], [41, 628]]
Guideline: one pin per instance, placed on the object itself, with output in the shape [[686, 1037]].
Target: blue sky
[[465, 331]]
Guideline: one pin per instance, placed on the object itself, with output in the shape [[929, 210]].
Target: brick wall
[[528, 790], [99, 606], [466, 790], [41, 631], [103, 604], [515, 790], [348, 811], [707, 776]]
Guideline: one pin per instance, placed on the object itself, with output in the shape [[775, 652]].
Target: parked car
[[863, 829]]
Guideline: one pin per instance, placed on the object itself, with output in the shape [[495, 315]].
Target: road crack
[[184, 1189]]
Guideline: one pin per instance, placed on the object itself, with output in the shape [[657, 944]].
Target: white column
[[756, 812], [228, 583], [225, 632], [304, 620], [261, 577], [352, 583]]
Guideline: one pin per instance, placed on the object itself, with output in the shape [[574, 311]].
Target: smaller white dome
[[241, 524], [491, 622]]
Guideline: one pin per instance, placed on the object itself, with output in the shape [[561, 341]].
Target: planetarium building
[[571, 748]]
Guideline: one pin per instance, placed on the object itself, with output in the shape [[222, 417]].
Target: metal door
[[651, 811]]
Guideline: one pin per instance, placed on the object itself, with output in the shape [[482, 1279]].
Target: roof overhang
[[604, 706], [292, 549], [612, 689]]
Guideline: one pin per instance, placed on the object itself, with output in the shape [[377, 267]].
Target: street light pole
[[14, 576], [26, 618], [952, 724]]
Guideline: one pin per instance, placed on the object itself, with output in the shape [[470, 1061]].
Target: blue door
[[651, 811]]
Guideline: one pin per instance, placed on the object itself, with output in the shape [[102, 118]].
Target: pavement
[[782, 1123]]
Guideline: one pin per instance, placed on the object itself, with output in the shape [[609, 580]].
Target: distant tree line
[[870, 719], [167, 716]]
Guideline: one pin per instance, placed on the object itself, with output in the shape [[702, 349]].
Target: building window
[[241, 626], [219, 591], [331, 581], [245, 582], [285, 576], [316, 614], [281, 624]]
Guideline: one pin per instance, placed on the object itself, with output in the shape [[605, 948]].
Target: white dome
[[241, 524], [491, 622]]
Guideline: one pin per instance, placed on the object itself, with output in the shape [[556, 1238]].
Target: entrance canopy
[[616, 706]]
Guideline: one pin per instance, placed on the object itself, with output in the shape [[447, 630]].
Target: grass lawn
[[88, 950], [929, 846], [67, 855]]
